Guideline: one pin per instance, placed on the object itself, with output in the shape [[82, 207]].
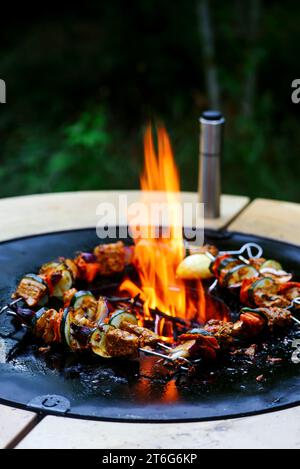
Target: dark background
[[83, 81]]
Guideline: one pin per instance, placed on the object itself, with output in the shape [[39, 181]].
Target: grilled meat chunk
[[111, 258], [146, 336], [32, 289], [223, 331], [121, 343], [277, 317]]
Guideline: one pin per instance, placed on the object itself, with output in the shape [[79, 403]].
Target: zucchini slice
[[262, 286], [79, 298], [271, 264], [65, 327], [64, 284], [235, 277], [65, 277], [98, 341], [225, 266], [120, 316]]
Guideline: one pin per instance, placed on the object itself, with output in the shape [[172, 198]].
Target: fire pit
[[161, 384], [141, 390]]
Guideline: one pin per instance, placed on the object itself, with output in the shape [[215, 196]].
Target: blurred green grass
[[80, 90]]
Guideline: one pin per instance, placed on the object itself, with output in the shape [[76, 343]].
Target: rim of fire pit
[[30, 389]]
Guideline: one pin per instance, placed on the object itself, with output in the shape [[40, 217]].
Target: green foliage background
[[81, 86]]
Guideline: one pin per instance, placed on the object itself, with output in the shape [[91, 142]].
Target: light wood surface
[[276, 430], [270, 218], [14, 423], [35, 214]]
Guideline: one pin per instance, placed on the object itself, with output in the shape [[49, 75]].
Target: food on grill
[[111, 342], [261, 291], [88, 266], [111, 328], [274, 317], [146, 336], [120, 316], [195, 266], [33, 289], [234, 278], [121, 343], [112, 258], [291, 291], [59, 276], [196, 343], [56, 279], [274, 270]]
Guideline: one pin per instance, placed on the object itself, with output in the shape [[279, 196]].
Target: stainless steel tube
[[211, 142]]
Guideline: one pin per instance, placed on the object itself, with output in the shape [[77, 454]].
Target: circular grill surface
[[125, 390]]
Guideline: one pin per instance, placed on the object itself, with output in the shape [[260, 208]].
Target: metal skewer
[[10, 305], [165, 357], [248, 248], [296, 301]]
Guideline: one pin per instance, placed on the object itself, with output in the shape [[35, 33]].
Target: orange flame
[[156, 258]]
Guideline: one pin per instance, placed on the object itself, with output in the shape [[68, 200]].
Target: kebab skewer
[[121, 336], [56, 278]]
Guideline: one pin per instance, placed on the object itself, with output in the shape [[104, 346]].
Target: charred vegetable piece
[[255, 292], [68, 296], [193, 267], [83, 301], [88, 267], [206, 345], [82, 334], [244, 292], [120, 316], [274, 269], [66, 324], [188, 349], [25, 315], [98, 341], [257, 262], [193, 349], [290, 291], [235, 277], [226, 265], [252, 323], [47, 325], [33, 289], [271, 264], [102, 310], [215, 264], [59, 277]]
